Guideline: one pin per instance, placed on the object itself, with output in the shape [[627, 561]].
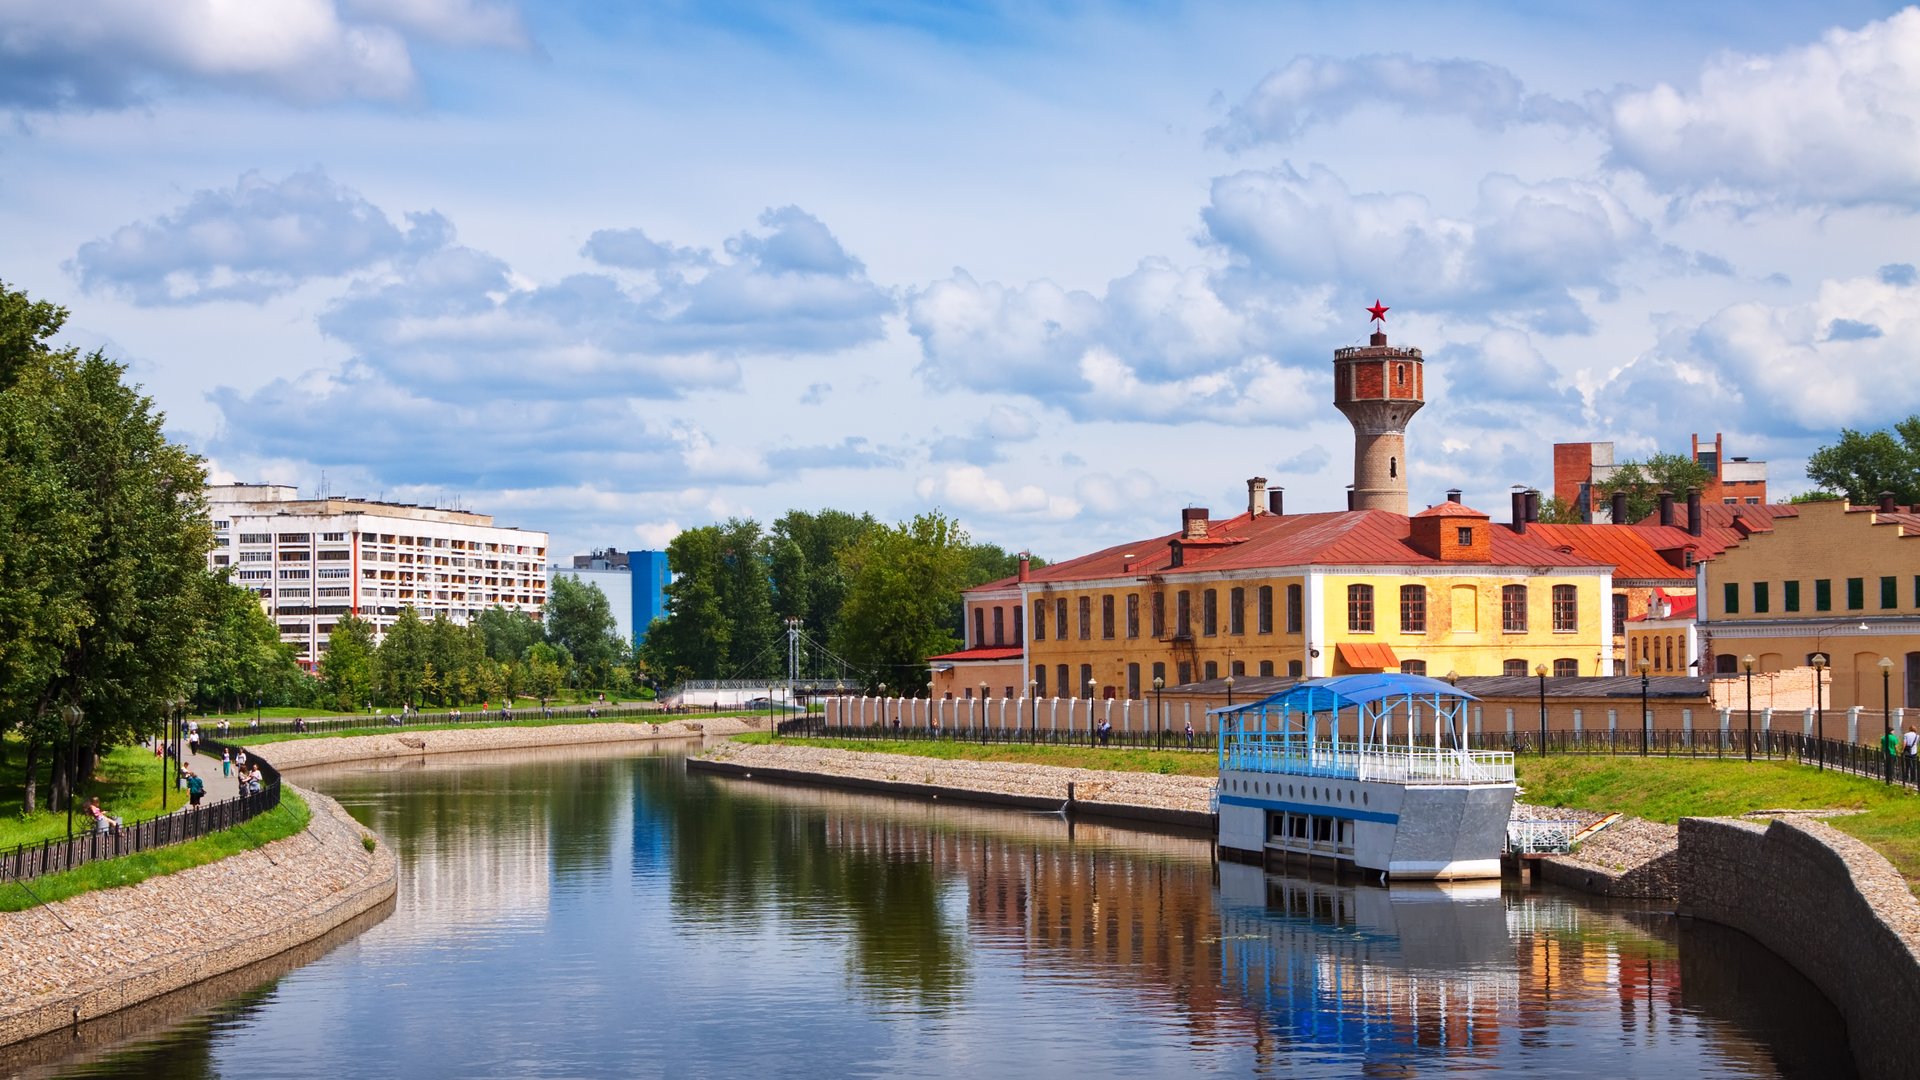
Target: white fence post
[[1853, 724]]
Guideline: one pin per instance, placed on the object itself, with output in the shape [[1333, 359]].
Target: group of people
[[1906, 748]]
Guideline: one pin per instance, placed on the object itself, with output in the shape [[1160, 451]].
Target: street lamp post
[[1093, 732], [1746, 664], [1820, 707], [1886, 713], [1159, 712], [175, 708], [1033, 696], [73, 714], [1646, 719], [1541, 671], [1229, 691]]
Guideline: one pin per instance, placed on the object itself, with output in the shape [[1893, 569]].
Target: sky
[[1056, 269]]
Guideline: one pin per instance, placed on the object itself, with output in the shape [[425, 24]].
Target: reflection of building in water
[[1126, 919], [1385, 972], [464, 876]]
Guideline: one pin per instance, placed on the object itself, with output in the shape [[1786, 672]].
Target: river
[[580, 914]]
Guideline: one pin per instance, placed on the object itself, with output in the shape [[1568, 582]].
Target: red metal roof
[[1368, 654], [1449, 509], [1630, 549], [1341, 538], [992, 652]]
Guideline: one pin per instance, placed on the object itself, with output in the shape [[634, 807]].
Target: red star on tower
[[1378, 311]]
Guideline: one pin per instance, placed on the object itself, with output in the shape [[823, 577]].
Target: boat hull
[[1443, 832]]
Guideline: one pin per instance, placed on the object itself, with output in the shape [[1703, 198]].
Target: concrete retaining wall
[[1110, 811], [300, 753], [120, 947], [1657, 879], [1827, 904]]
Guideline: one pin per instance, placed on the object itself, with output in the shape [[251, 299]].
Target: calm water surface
[[571, 916]]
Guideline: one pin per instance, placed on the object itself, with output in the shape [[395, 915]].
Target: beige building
[[1836, 580]]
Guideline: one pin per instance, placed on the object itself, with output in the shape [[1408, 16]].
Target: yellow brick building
[[1838, 580], [1267, 593]]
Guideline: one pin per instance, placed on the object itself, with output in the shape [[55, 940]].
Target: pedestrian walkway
[[218, 787]]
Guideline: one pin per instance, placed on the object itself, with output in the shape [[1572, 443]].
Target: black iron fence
[[30, 861], [1810, 750], [816, 726]]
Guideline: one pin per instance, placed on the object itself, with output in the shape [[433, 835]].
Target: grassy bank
[[1168, 762], [127, 781], [284, 820], [1659, 789]]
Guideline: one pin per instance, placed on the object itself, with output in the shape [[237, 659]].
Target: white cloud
[[1318, 90], [656, 535], [1521, 251], [449, 22], [1129, 495], [967, 489], [1834, 121], [249, 242]]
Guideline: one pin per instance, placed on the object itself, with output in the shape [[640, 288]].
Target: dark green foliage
[[902, 583], [1863, 464], [243, 657], [1643, 481]]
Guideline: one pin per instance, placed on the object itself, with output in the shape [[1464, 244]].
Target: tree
[[902, 583], [349, 670], [243, 657], [720, 620], [1863, 464], [580, 620], [506, 634], [1557, 511], [805, 562], [1643, 481], [403, 669], [116, 624], [543, 671]]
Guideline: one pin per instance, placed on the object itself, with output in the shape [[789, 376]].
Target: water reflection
[[571, 914]]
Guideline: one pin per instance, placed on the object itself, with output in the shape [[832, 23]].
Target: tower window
[[1393, 467], [1400, 374]]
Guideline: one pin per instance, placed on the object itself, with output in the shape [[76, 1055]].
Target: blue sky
[[1058, 269]]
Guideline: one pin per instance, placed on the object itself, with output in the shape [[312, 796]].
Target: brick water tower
[[1379, 388]]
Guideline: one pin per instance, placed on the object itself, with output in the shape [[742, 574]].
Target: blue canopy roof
[[1341, 691]]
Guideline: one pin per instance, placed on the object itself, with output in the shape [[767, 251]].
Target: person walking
[[1909, 750], [196, 787], [1189, 734], [226, 762]]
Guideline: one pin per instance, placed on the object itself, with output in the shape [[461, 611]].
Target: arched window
[[1360, 609], [1565, 668], [1513, 609], [1513, 667]]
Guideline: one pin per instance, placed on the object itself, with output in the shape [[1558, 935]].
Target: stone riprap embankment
[[1147, 796], [327, 750], [103, 951], [1631, 859]]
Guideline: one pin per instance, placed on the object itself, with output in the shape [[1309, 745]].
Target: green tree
[[543, 671], [506, 634], [804, 555], [1863, 464], [404, 671], [902, 583], [243, 656], [116, 626], [1556, 511], [720, 620], [349, 670], [580, 620], [1643, 481]]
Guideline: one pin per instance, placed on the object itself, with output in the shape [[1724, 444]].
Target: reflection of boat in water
[[1386, 972], [1408, 809]]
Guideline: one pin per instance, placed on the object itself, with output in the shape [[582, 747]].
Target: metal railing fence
[[29, 861]]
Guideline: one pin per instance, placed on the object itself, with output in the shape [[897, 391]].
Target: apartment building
[[314, 560]]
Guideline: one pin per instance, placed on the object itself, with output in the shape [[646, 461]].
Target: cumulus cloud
[[250, 242], [1520, 251], [1002, 426], [633, 249], [969, 490], [1834, 121], [1306, 462], [1503, 366], [1319, 90], [1129, 495], [1836, 360], [111, 53]]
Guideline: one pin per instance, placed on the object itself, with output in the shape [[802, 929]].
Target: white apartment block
[[314, 560]]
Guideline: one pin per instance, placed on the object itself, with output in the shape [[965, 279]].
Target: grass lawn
[[128, 783], [284, 820], [1169, 762], [1662, 789]]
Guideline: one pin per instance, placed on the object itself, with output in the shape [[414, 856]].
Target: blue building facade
[[649, 589]]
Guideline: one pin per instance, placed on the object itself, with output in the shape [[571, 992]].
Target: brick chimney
[[1533, 505], [1520, 512], [1277, 501], [1256, 496], [1886, 503], [1453, 495], [1193, 523], [1620, 508], [1666, 508], [1694, 524], [1026, 564]]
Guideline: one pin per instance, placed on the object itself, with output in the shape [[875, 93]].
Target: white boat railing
[[1386, 764]]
